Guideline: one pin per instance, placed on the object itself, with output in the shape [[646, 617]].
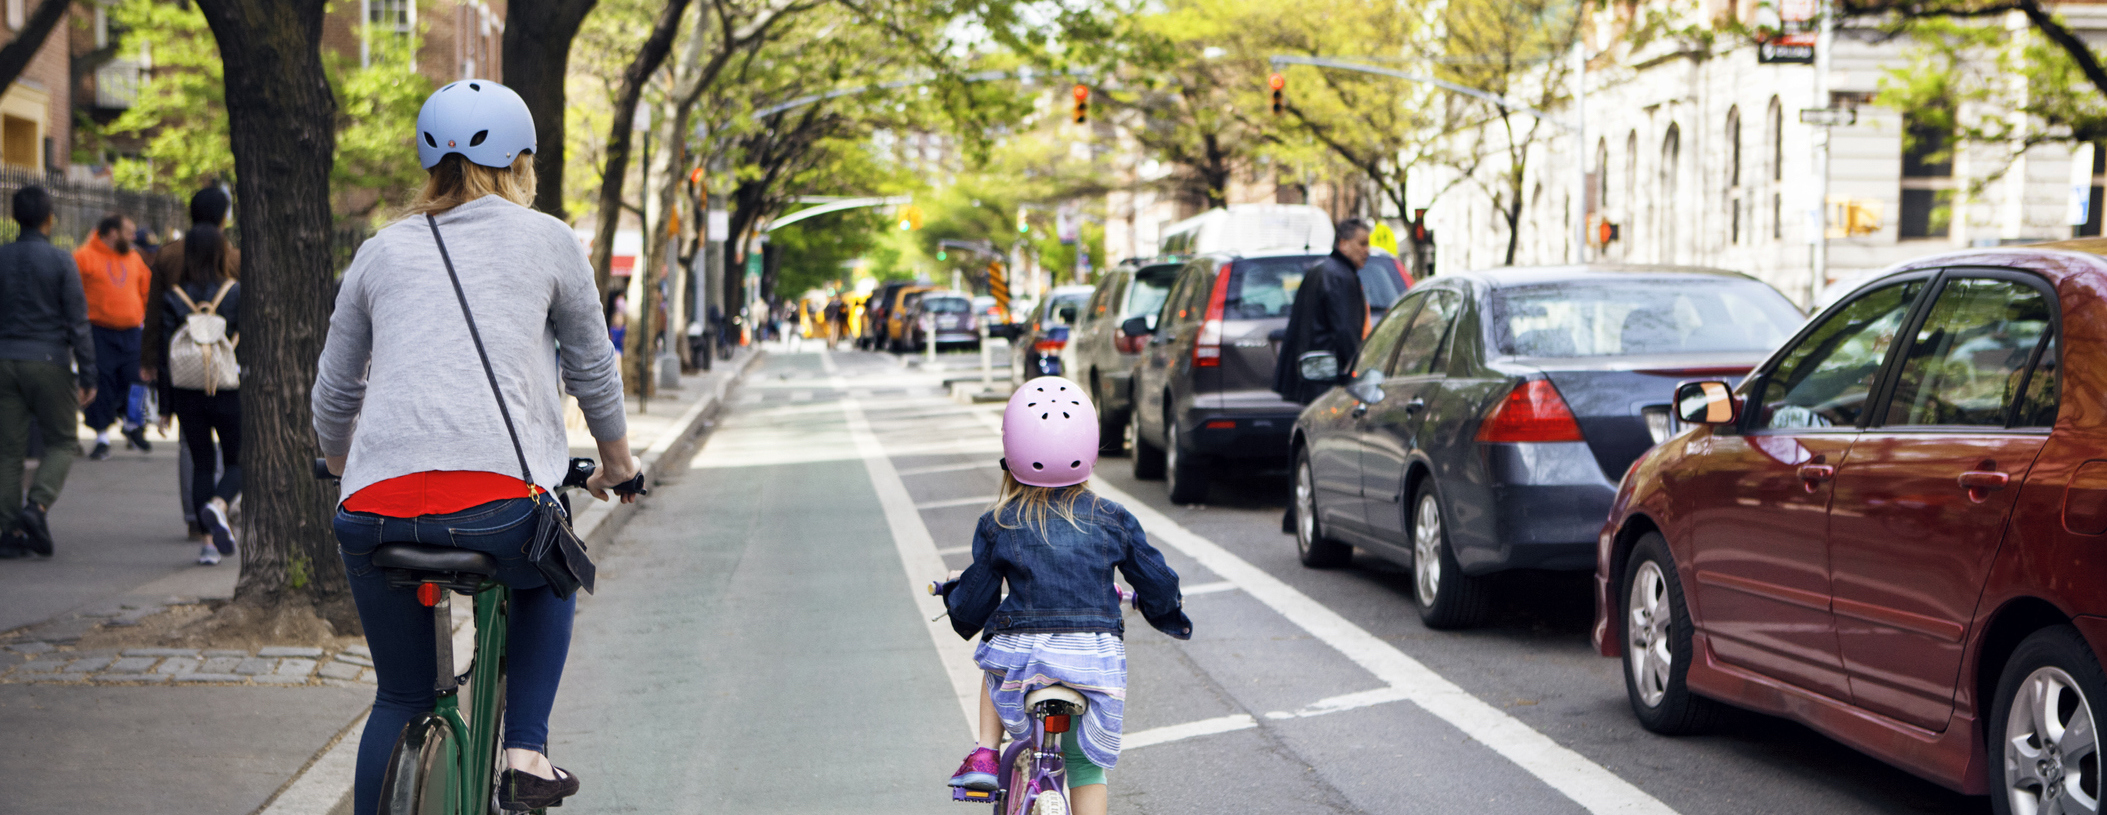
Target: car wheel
[[1148, 458], [1447, 598], [2044, 731], [1111, 432], [1657, 644], [1315, 551], [1183, 471]]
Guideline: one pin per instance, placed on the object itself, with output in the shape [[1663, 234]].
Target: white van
[[1249, 227]]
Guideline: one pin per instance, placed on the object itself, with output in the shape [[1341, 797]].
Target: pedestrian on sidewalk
[[208, 208], [428, 453], [1056, 544], [209, 410], [43, 321], [836, 313], [117, 283]]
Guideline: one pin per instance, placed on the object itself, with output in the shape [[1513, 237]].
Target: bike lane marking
[[1588, 784]]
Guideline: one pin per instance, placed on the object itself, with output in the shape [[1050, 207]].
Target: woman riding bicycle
[[403, 415], [1056, 544]]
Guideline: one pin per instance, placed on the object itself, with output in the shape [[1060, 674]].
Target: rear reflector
[[1221, 424], [1057, 724], [1207, 348], [428, 594], [1533, 411]]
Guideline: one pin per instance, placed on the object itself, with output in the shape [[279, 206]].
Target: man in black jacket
[[1330, 314], [43, 322]]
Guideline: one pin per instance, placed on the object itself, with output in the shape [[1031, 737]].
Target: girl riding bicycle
[[1056, 544]]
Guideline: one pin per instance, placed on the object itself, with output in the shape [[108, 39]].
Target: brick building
[[36, 111], [462, 38]]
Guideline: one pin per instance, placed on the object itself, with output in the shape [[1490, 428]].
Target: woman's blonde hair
[[455, 181], [1033, 504]]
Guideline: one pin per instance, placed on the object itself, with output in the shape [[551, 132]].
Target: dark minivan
[[1203, 394], [1491, 415]]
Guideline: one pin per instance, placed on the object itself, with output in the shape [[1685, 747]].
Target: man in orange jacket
[[115, 280]]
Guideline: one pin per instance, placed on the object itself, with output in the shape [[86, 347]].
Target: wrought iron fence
[[79, 204]]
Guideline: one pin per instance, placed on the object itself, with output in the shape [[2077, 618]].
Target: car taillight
[[1207, 350], [1533, 411], [1047, 346]]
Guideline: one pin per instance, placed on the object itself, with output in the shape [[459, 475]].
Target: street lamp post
[[1818, 273], [1579, 215]]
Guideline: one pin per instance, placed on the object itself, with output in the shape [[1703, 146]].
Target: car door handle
[[1980, 483], [1416, 405], [1815, 474]]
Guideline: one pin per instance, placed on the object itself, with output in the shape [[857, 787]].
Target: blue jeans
[[116, 368], [400, 632]]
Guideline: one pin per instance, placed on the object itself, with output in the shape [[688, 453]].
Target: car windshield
[[1061, 309], [1151, 285], [1609, 318], [947, 305]]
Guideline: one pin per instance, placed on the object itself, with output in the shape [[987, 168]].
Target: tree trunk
[[648, 58], [537, 56], [281, 123], [16, 55]]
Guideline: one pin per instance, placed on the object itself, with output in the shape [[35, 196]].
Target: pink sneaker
[[978, 771]]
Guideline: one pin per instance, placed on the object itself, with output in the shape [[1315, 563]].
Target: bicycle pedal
[[975, 796]]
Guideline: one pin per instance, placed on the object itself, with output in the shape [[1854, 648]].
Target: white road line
[[948, 468], [1588, 784], [918, 556], [1180, 732], [1350, 701], [982, 500], [1207, 588]]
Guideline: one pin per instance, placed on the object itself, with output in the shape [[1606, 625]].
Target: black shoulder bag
[[555, 549]]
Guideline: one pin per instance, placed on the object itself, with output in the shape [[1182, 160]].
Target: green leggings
[[1081, 773]]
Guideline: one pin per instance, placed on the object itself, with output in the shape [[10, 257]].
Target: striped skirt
[[1094, 664]]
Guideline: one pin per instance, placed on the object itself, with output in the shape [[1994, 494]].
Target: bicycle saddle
[[411, 563], [1057, 693]]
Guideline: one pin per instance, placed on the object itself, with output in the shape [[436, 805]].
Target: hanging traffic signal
[[1023, 226], [942, 255], [1082, 104], [1279, 85], [910, 218]]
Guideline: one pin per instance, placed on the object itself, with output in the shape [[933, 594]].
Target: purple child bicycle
[[1033, 775]]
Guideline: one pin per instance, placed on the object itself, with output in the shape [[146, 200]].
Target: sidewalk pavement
[[176, 731]]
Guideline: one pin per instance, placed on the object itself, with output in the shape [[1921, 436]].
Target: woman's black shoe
[[518, 791]]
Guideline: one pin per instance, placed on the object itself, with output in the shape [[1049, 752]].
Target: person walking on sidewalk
[[428, 453], [211, 413], [208, 208], [43, 320], [116, 282]]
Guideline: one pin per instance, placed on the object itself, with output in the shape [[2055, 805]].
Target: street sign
[[1791, 49], [999, 288], [1829, 117], [1792, 42], [1384, 238]]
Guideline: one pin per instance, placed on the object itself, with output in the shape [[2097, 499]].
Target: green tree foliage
[[1960, 80], [377, 122]]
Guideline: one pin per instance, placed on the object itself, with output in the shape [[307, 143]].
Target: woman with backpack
[[202, 313]]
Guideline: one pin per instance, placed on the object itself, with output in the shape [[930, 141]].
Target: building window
[[1671, 157], [389, 16], [19, 146], [1927, 179], [17, 14], [1734, 175]]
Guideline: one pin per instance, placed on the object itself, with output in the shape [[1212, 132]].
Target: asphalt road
[[760, 644]]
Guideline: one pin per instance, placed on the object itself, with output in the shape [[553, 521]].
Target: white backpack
[[200, 355]]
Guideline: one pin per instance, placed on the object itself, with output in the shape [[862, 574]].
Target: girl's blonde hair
[[1033, 504], [455, 181]]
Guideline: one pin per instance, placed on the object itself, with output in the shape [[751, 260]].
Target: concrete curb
[[323, 787]]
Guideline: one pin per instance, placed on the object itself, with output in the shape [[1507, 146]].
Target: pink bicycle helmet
[[1049, 433]]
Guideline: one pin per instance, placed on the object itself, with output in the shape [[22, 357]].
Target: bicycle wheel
[[1017, 784], [421, 779]]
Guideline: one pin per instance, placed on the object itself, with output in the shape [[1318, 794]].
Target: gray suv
[[1105, 357], [1203, 396]]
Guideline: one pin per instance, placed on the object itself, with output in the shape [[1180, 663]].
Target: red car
[[1894, 531]]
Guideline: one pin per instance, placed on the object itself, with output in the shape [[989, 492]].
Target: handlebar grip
[[580, 470], [634, 486]]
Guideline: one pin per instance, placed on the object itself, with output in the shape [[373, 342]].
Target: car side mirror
[[1135, 327], [1368, 387], [1705, 403], [1318, 366]]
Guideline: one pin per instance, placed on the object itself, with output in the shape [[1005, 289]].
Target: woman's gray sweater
[[400, 388]]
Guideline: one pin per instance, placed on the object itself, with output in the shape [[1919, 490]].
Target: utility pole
[[1580, 143], [1818, 275]]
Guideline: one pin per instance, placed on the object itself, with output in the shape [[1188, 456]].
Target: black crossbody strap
[[525, 474]]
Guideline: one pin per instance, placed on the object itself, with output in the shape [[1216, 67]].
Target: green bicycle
[[446, 762]]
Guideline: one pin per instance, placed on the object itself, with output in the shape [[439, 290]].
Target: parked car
[[898, 319], [1203, 394], [1036, 349], [1490, 415], [1891, 531], [946, 314], [1105, 357], [872, 335]]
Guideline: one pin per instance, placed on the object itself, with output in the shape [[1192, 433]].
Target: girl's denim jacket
[[1060, 577]]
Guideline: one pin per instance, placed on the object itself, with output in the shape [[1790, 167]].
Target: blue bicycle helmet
[[487, 123]]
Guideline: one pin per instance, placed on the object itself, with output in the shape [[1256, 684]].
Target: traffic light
[[1082, 104], [1420, 233], [942, 255], [910, 218], [1279, 85], [1023, 226]]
